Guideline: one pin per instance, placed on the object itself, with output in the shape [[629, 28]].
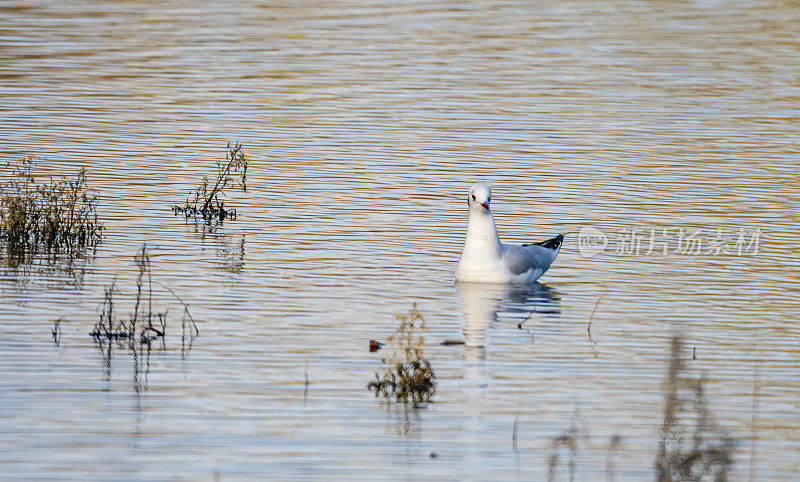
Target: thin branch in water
[[305, 386], [57, 331], [533, 310], [185, 309], [589, 326]]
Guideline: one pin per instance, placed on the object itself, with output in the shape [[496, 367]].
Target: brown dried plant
[[207, 199], [57, 214], [408, 376]]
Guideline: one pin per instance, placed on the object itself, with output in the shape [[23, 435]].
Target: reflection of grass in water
[[229, 253], [407, 378], [206, 200], [56, 270], [690, 453], [57, 215]]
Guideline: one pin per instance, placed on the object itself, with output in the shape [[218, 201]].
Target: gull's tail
[[552, 243]]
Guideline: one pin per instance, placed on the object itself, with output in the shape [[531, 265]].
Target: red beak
[[485, 205]]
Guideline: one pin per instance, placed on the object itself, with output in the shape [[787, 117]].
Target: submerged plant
[[57, 214], [207, 199], [407, 376]]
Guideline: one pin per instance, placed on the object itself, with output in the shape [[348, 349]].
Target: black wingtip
[[552, 243]]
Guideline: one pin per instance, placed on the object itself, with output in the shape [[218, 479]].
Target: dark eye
[[473, 197]]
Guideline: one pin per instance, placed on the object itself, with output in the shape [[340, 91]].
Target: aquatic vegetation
[[49, 229], [207, 199], [143, 324], [57, 215], [407, 376], [690, 453], [136, 334]]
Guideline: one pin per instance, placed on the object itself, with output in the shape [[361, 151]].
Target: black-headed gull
[[486, 260]]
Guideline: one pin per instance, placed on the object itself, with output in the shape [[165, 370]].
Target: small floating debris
[[452, 342], [375, 345]]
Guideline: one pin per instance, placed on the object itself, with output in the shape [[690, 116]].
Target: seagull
[[486, 260]]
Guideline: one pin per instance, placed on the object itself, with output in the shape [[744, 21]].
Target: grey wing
[[519, 259]]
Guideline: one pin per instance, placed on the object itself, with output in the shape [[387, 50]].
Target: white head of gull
[[487, 260]]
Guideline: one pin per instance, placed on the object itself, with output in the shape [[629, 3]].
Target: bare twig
[[589, 326], [185, 309]]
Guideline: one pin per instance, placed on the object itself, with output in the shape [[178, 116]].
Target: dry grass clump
[[59, 214], [206, 200], [407, 377]]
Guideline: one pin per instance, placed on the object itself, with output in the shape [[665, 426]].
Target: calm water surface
[[366, 123]]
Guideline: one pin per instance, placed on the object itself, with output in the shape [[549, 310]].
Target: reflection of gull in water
[[484, 303]]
